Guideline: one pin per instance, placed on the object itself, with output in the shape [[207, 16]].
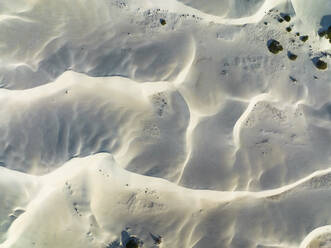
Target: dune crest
[[153, 123]]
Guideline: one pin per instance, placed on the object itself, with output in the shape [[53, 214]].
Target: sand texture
[[165, 123]]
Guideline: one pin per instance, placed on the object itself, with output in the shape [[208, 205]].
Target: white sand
[[113, 125]]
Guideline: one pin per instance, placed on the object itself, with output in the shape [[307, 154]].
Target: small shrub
[[288, 29], [274, 46], [157, 239], [163, 22], [292, 56], [320, 64], [132, 244], [287, 18], [322, 33], [328, 34], [293, 79], [304, 38]]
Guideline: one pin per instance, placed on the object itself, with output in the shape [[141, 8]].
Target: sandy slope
[[113, 124], [89, 201]]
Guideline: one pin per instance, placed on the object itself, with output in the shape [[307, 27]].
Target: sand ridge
[[167, 118]]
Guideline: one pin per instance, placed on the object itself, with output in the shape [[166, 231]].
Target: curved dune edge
[[149, 118], [177, 6], [75, 191], [319, 236]]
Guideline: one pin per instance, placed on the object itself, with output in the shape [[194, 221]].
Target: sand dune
[[89, 200], [167, 123]]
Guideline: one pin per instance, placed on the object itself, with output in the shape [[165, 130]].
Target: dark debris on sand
[[320, 64], [163, 22], [274, 46], [304, 38], [292, 56], [286, 17]]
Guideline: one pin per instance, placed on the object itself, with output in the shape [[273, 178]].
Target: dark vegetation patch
[[293, 79], [321, 33], [274, 46], [129, 241], [292, 56], [288, 29], [280, 19], [132, 243], [320, 64], [157, 239], [304, 38], [325, 27], [163, 22], [325, 33], [286, 17], [328, 33]]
